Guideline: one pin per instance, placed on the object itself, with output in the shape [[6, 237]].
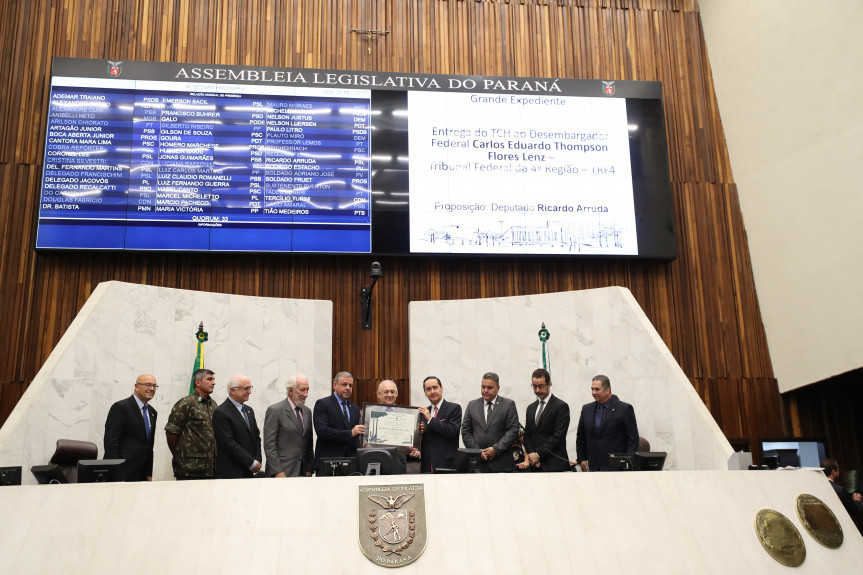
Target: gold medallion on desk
[[392, 523], [780, 538]]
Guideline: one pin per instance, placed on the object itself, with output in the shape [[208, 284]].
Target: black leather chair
[[69, 452]]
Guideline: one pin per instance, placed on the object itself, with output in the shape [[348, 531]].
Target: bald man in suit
[[129, 431]]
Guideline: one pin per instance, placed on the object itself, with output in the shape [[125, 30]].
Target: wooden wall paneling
[[831, 409], [728, 399], [14, 31], [755, 355], [13, 292], [763, 412]]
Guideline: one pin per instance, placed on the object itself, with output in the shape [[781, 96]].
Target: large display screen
[[165, 156]]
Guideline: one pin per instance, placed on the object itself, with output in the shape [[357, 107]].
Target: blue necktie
[[146, 420], [598, 421], [246, 417]]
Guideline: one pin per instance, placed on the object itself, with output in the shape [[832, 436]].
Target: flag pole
[[544, 336], [200, 338]]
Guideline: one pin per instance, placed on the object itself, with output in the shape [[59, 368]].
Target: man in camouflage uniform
[[190, 430]]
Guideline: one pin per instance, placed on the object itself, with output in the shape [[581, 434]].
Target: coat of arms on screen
[[115, 68], [608, 87], [392, 523]]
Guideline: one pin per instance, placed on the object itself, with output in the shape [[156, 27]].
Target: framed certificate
[[391, 426]]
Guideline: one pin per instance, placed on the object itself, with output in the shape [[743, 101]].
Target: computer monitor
[[48, 474], [101, 470], [649, 460], [378, 461], [10, 475], [337, 466], [621, 462], [793, 451], [467, 460]]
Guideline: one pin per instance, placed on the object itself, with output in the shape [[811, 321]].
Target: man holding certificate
[[337, 421], [390, 429]]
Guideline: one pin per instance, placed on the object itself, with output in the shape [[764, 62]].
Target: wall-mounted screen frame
[[185, 157]]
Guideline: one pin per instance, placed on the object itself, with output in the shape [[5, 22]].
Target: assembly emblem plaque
[[819, 521], [115, 68], [392, 523]]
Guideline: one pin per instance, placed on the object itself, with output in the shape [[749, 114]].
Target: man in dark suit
[[606, 426], [288, 432], [491, 423], [853, 502], [546, 424], [337, 421], [440, 424], [238, 439], [129, 430]]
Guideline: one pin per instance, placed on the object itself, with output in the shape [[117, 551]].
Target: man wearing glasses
[[238, 439], [129, 430], [546, 424]]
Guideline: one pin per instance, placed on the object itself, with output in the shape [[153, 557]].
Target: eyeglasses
[[539, 385], [149, 385], [249, 388]]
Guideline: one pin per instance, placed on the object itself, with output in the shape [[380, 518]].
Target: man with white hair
[[288, 432], [388, 393], [238, 439]]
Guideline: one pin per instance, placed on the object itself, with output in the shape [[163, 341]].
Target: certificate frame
[[402, 432]]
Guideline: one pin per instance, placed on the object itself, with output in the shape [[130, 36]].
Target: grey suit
[[499, 432], [288, 446]]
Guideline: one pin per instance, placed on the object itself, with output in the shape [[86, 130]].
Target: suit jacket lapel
[[151, 413], [252, 423], [133, 406], [440, 409], [481, 418], [248, 427], [293, 417], [496, 405], [549, 408], [609, 411], [346, 423]]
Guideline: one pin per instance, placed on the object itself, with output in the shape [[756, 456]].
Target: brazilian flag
[[200, 338]]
